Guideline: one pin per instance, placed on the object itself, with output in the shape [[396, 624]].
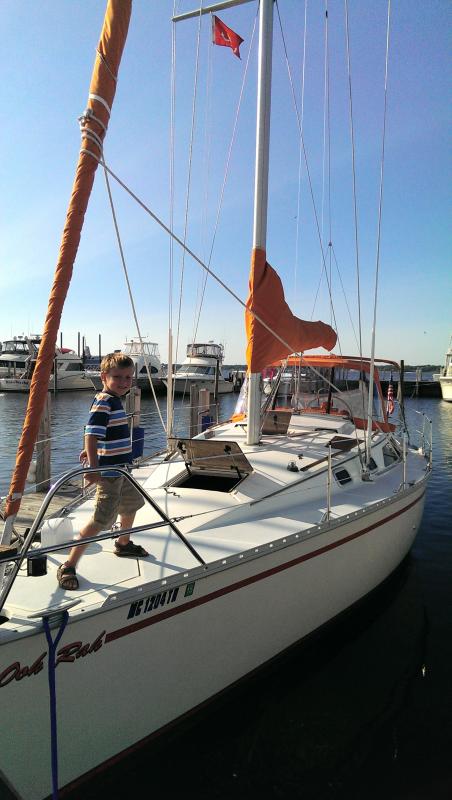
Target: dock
[[414, 388], [30, 505]]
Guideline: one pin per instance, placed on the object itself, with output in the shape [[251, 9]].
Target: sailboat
[[262, 529]]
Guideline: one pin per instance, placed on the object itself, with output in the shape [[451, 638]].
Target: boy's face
[[117, 380]]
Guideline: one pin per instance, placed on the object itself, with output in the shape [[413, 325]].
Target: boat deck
[[219, 525]]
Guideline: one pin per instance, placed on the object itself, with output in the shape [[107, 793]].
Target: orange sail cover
[[267, 302], [94, 126]]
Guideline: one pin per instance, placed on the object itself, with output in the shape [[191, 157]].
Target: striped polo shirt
[[108, 422]]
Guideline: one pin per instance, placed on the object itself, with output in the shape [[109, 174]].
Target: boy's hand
[[83, 457]]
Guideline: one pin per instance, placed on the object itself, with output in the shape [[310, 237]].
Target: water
[[363, 711], [69, 413]]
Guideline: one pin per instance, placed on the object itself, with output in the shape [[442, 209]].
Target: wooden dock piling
[[43, 449]]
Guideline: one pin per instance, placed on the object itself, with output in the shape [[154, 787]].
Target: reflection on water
[[69, 413]]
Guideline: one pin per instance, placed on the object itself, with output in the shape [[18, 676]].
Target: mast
[[261, 186], [94, 123]]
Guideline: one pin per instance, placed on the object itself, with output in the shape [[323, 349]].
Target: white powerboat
[[445, 376], [146, 358], [202, 364], [17, 360]]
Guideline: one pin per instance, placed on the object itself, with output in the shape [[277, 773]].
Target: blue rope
[[53, 644]]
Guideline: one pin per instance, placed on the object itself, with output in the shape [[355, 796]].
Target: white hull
[[216, 635], [142, 383], [182, 385], [66, 383], [446, 387]]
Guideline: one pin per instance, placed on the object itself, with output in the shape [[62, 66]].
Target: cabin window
[[72, 367], [342, 476], [152, 370], [372, 464]]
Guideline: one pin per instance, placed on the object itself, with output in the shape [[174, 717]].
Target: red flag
[[224, 36]]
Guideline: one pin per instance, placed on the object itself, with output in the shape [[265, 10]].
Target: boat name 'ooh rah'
[[310, 502]]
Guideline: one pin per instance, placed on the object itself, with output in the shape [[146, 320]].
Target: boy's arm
[[91, 455]]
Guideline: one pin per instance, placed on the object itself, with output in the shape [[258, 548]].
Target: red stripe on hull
[[137, 626], [110, 762]]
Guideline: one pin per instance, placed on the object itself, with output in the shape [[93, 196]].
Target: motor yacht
[[202, 363]]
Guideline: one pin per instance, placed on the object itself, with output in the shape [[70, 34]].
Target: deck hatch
[[211, 464]]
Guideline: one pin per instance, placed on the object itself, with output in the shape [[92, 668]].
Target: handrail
[[18, 560], [426, 441], [54, 548]]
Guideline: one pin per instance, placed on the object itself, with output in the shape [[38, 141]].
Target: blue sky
[[46, 60]]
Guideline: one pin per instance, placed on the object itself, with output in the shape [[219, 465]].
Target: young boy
[[107, 443]]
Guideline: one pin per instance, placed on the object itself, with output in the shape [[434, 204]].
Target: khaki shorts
[[115, 496]]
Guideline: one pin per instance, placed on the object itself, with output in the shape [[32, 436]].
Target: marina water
[[362, 711]]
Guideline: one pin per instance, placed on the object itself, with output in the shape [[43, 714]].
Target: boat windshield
[[13, 346], [187, 369], [307, 391], [209, 350], [135, 347]]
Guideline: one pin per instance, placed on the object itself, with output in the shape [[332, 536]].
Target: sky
[[46, 59]]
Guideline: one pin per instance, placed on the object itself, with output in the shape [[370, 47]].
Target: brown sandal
[[130, 550], [67, 578]]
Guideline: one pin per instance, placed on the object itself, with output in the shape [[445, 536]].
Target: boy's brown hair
[[115, 360]]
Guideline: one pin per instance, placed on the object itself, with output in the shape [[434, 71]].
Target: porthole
[[342, 476]]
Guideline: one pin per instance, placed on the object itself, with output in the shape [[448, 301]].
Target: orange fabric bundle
[[102, 90], [266, 299]]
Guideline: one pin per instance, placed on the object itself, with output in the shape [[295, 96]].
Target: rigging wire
[[129, 288], [300, 154], [207, 150], [228, 161], [204, 266], [187, 197], [328, 132], [326, 168], [311, 189], [355, 205], [324, 151], [196, 258], [171, 175], [345, 297], [380, 209]]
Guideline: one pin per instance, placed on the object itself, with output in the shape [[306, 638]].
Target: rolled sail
[[94, 127]]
